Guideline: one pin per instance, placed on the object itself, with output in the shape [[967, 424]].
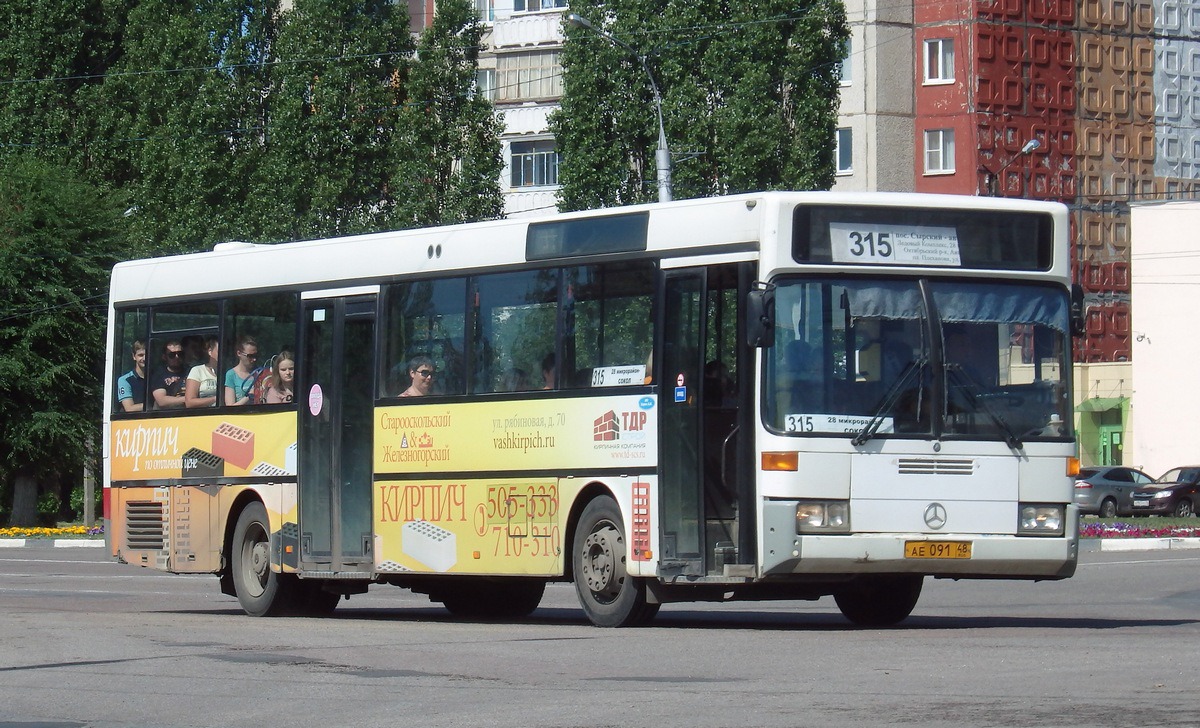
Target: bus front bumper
[[953, 555]]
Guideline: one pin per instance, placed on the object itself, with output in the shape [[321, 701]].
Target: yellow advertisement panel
[[208, 447], [503, 526], [618, 431]]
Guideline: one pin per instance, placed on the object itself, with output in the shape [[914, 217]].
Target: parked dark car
[[1176, 493], [1108, 491]]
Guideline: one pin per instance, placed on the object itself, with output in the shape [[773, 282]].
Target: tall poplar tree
[[53, 52], [749, 98], [58, 240], [337, 87], [186, 119], [447, 167]]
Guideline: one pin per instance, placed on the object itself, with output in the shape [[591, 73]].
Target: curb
[[58, 543]]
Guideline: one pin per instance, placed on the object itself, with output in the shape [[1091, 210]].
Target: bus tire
[[261, 591], [608, 595], [314, 600], [507, 598], [879, 601]]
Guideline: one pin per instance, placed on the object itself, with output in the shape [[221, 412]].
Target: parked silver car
[[1108, 491]]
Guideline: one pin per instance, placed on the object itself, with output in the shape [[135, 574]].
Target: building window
[[534, 164], [531, 75], [845, 77], [531, 6], [939, 151], [485, 83], [939, 60], [844, 151], [485, 10]]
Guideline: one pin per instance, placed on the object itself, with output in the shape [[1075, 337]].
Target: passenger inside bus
[[201, 388], [548, 367], [421, 373], [168, 385], [282, 379], [131, 387], [240, 379]]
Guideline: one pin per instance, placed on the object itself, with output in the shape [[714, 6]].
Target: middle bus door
[[336, 372], [707, 418]]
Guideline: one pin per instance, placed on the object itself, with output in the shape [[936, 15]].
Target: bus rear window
[[870, 235]]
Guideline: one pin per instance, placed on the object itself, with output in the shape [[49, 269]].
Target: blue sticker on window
[[681, 394]]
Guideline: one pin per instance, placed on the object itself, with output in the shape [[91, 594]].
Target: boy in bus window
[[131, 387], [421, 373], [168, 384], [240, 379]]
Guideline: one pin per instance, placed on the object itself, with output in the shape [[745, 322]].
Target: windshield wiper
[[889, 400], [964, 380]]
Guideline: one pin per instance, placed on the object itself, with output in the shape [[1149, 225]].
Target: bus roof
[[376, 257]]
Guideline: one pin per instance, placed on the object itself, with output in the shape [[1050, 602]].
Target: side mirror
[[760, 316], [1078, 311]]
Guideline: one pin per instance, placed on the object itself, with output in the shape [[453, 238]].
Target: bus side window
[[425, 318], [515, 328], [610, 322]]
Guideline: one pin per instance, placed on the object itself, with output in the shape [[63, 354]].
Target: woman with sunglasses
[[421, 371], [240, 379]]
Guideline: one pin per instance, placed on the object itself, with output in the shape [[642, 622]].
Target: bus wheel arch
[[599, 550]]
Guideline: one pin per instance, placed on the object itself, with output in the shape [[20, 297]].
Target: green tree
[[58, 241], [448, 165], [184, 113], [52, 53], [338, 84], [749, 98]]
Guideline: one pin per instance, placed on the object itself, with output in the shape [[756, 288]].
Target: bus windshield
[[919, 358]]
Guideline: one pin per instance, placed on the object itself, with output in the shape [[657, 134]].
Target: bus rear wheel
[[261, 591], [610, 597], [510, 598], [879, 601]]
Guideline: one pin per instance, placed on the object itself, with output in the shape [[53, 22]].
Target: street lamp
[[1030, 146], [662, 156]]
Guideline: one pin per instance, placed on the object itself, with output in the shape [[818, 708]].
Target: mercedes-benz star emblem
[[935, 516]]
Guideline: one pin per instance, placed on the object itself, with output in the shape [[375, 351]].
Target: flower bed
[[40, 532], [1134, 530]]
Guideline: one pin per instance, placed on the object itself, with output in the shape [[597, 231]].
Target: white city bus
[[765, 396]]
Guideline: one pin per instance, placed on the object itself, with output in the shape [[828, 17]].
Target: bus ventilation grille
[[935, 466], [144, 525]]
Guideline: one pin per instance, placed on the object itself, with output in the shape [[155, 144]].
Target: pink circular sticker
[[316, 400]]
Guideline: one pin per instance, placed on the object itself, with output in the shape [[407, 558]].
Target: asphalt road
[[88, 642]]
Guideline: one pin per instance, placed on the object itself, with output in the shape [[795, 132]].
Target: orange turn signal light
[[1072, 466], [781, 461]]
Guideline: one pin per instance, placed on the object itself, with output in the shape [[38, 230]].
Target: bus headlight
[[1041, 520], [822, 516]]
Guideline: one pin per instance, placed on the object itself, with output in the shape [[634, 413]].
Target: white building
[[1166, 283], [521, 72]]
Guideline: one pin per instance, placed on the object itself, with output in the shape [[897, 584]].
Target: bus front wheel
[[610, 597], [879, 601], [261, 591]]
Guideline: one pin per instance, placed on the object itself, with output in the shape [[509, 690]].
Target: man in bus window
[[169, 382], [131, 387], [421, 373]]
